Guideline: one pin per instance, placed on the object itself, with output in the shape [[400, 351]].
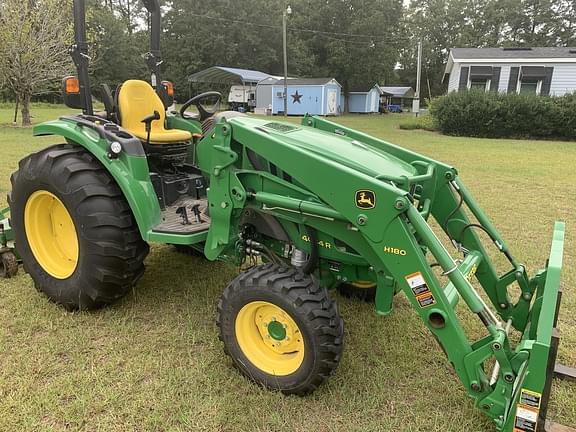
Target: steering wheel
[[205, 112]]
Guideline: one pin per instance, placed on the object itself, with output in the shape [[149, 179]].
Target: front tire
[[75, 231], [280, 328], [359, 290]]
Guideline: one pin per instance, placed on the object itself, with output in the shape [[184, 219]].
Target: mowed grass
[[153, 361]]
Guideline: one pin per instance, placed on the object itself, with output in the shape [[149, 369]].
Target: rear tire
[[75, 231], [280, 328]]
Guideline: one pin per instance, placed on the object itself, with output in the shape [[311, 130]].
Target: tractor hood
[[339, 149]]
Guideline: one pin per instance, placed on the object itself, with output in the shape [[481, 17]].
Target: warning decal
[[530, 399], [527, 411], [426, 300], [420, 289]]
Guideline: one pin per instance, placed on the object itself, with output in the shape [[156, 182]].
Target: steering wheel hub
[[205, 111]]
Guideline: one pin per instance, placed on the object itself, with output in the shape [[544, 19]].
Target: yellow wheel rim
[[51, 234], [363, 284], [269, 338]]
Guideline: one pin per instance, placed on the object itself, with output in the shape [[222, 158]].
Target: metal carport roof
[[228, 75]]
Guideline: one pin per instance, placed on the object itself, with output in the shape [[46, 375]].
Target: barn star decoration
[[296, 98]]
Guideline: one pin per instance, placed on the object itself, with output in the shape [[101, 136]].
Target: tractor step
[[186, 216]]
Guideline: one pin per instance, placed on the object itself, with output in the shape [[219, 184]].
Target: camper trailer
[[242, 98]]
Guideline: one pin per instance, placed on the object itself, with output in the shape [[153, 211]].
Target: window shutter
[[480, 73], [463, 84], [533, 73], [547, 82], [495, 81], [513, 81]]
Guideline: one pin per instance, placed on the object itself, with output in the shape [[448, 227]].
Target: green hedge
[[500, 115]]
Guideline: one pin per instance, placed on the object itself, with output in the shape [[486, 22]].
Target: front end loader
[[302, 210]]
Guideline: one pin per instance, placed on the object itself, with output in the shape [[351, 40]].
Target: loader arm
[[376, 198]]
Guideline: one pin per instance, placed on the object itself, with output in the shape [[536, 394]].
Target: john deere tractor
[[304, 209]]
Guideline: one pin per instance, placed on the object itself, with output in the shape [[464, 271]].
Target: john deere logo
[[365, 199]]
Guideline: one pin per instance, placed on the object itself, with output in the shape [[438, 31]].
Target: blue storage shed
[[318, 96], [365, 101]]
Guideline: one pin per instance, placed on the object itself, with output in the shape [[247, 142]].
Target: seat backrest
[[136, 100]]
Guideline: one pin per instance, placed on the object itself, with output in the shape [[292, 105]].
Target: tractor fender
[[129, 169]]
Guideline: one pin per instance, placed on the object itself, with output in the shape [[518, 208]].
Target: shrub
[[500, 115]]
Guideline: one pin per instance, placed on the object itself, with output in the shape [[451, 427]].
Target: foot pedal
[[183, 214], [185, 217]]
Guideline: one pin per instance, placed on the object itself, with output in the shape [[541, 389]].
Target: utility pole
[[285, 14], [416, 101]]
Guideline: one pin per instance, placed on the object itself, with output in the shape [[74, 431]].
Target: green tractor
[[307, 208]]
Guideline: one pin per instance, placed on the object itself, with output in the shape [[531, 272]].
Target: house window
[[479, 84], [529, 87], [530, 79], [480, 78]]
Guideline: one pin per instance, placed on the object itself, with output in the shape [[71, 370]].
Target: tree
[[363, 49], [115, 49], [34, 40], [446, 24], [566, 24], [440, 25]]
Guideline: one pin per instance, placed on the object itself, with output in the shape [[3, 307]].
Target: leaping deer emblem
[[365, 199]]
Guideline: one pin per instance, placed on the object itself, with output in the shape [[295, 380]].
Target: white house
[[543, 71]]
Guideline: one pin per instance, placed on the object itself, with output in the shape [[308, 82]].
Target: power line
[[366, 42], [372, 38]]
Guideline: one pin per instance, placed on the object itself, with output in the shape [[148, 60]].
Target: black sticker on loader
[[420, 289], [523, 425], [530, 399], [527, 411], [334, 266], [426, 300], [365, 199]]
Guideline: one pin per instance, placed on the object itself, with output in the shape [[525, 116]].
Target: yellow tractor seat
[[137, 100]]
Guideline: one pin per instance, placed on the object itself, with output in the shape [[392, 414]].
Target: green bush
[[500, 115]]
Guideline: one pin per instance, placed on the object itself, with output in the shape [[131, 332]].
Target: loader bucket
[[531, 394]]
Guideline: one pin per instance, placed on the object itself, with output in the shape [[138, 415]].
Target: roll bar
[[79, 52], [154, 57]]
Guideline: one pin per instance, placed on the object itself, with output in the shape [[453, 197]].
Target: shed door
[[373, 102], [332, 102]]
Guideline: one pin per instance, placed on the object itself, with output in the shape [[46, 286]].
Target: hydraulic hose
[[494, 240]]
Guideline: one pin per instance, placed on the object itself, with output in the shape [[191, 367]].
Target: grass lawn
[[153, 361]]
